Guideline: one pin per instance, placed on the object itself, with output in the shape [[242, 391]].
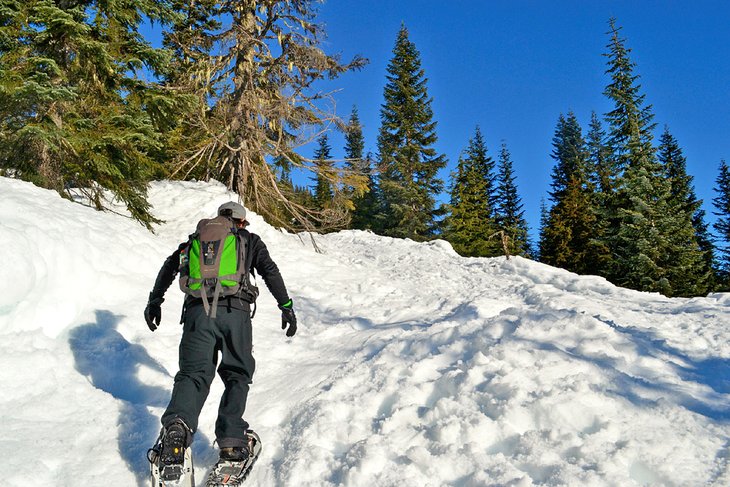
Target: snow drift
[[412, 366]]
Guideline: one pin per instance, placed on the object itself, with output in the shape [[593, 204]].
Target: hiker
[[216, 319]]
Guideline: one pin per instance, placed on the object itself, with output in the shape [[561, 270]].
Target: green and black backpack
[[213, 264]]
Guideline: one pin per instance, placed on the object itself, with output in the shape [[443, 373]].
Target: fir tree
[[602, 176], [363, 199], [544, 222], [323, 193], [354, 142], [631, 123], [367, 214], [510, 214], [722, 225], [651, 246], [471, 221], [254, 76], [410, 164], [601, 173], [656, 249], [571, 224], [686, 208], [76, 113]]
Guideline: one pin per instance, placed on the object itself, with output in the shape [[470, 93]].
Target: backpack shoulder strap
[[244, 237]]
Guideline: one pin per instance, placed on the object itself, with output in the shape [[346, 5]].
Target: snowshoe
[[171, 459], [235, 464]]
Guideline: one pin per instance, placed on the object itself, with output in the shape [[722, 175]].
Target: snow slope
[[412, 367]]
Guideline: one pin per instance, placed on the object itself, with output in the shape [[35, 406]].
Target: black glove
[[288, 317], [153, 313]]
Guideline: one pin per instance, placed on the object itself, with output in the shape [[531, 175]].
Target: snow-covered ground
[[412, 366]]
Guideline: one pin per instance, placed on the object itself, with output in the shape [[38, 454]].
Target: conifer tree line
[[485, 215], [88, 105], [623, 205]]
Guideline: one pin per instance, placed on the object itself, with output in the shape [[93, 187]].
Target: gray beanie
[[233, 210]]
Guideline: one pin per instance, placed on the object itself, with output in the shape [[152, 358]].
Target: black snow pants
[[229, 334]]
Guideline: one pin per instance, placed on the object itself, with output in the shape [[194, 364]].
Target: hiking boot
[[174, 442], [235, 454]]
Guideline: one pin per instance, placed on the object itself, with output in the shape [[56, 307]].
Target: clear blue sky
[[512, 67]]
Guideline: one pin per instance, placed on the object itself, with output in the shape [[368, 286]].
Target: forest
[[89, 105]]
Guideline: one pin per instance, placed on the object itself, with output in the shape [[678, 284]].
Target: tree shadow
[[111, 364], [711, 372]]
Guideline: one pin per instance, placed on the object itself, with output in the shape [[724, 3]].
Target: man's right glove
[[153, 313], [288, 317]]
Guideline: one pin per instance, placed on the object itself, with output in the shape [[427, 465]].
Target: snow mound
[[413, 366]]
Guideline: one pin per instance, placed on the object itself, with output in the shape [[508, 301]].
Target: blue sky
[[512, 67]]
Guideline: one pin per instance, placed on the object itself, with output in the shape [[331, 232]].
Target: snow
[[412, 366]]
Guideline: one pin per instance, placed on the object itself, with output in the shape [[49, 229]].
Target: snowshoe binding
[[235, 464], [171, 459]]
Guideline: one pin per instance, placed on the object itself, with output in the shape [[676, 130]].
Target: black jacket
[[257, 258]]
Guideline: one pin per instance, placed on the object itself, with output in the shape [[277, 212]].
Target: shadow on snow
[[711, 372], [111, 364]]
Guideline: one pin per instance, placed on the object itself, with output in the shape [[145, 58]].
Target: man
[[227, 331]]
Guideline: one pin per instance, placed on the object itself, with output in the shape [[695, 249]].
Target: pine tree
[[510, 214], [722, 225], [631, 123], [602, 176], [689, 278], [646, 239], [354, 142], [410, 164], [279, 216], [76, 114], [253, 76], [364, 199], [630, 142], [471, 221], [368, 207], [323, 193], [571, 225], [544, 222]]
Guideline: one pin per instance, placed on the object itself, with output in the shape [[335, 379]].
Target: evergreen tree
[[722, 225], [279, 215], [542, 238], [651, 246], [367, 214], [471, 221], [252, 64], [687, 209], [631, 123], [76, 113], [363, 198], [630, 142], [354, 142], [510, 214], [323, 192], [410, 164], [571, 224], [602, 176]]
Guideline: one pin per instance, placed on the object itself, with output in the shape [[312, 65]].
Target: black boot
[[235, 454], [174, 441]]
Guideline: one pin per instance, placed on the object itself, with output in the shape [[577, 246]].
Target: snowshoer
[[215, 322]]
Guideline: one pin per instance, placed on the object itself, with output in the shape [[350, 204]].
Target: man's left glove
[[153, 313], [288, 318]]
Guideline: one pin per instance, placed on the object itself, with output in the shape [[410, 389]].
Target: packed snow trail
[[411, 366]]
